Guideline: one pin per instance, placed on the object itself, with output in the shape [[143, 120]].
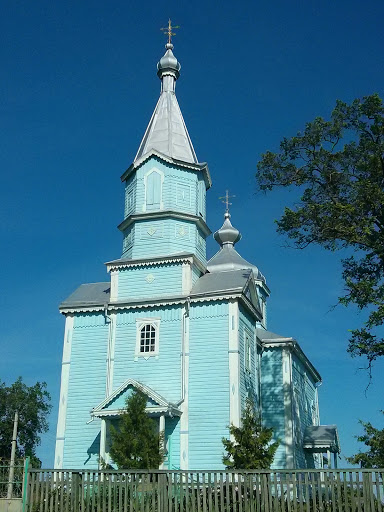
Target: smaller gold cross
[[225, 200], [168, 31]]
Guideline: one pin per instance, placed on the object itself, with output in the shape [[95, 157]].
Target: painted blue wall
[[180, 189], [137, 282], [157, 186], [161, 237], [249, 383], [304, 411], [86, 390], [272, 399], [162, 373], [208, 384]]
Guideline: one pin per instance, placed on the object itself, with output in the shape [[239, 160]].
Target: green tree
[[338, 166], [252, 447], [136, 443], [373, 438], [33, 406]]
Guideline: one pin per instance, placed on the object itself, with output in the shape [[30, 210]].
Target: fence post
[[25, 483]]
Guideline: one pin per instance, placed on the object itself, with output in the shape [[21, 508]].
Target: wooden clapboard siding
[[208, 384], [161, 373], [165, 236], [86, 389], [272, 399], [304, 396], [248, 379], [150, 281]]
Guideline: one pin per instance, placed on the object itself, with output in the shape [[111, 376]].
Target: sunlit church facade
[[190, 333]]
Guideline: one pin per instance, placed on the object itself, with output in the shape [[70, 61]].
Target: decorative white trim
[[103, 442], [114, 285], [140, 323], [110, 354], [162, 432], [168, 410], [118, 264], [66, 363], [161, 174], [186, 281], [184, 406], [234, 364], [288, 404]]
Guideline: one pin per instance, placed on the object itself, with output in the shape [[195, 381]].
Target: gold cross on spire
[[168, 30], [225, 200]]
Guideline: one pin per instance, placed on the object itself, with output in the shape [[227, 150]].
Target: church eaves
[[166, 132]]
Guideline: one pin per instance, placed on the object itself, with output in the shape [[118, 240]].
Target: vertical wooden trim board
[[234, 364], [184, 419], [186, 278], [114, 285], [287, 390], [66, 363]]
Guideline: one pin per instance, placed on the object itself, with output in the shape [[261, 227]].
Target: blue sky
[[78, 87]]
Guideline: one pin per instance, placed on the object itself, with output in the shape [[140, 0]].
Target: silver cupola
[[227, 258]]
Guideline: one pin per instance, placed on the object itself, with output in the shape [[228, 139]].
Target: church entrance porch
[[165, 414]]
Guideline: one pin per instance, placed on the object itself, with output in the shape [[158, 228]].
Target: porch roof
[[318, 438], [114, 404]]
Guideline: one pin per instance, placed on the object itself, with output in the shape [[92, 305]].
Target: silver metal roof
[[166, 131], [221, 282], [320, 437], [89, 294], [227, 258]]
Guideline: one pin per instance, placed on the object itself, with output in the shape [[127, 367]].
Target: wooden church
[[190, 333]]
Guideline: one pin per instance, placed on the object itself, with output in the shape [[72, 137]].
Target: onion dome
[[227, 234], [168, 64], [227, 258]]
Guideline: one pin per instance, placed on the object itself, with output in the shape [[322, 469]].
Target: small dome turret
[[168, 64], [227, 234]]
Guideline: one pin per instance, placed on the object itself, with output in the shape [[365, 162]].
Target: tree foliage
[[338, 166], [373, 438], [33, 406], [136, 443], [252, 447]]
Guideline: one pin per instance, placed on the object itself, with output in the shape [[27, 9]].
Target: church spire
[[166, 132]]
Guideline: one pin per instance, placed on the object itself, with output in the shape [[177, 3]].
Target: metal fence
[[345, 490], [15, 486]]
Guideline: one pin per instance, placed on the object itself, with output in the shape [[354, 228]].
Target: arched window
[[147, 339], [153, 190]]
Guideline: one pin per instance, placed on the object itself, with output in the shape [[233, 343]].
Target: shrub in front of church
[[136, 442], [252, 447]]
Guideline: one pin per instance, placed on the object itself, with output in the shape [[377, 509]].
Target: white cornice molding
[[161, 260], [160, 214], [163, 301], [180, 163]]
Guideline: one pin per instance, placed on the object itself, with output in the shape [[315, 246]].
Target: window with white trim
[[147, 337]]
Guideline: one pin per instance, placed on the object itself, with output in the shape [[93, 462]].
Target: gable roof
[[114, 403]]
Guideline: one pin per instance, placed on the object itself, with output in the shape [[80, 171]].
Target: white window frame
[[140, 323], [247, 352]]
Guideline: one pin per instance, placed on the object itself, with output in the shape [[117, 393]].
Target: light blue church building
[[190, 333]]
